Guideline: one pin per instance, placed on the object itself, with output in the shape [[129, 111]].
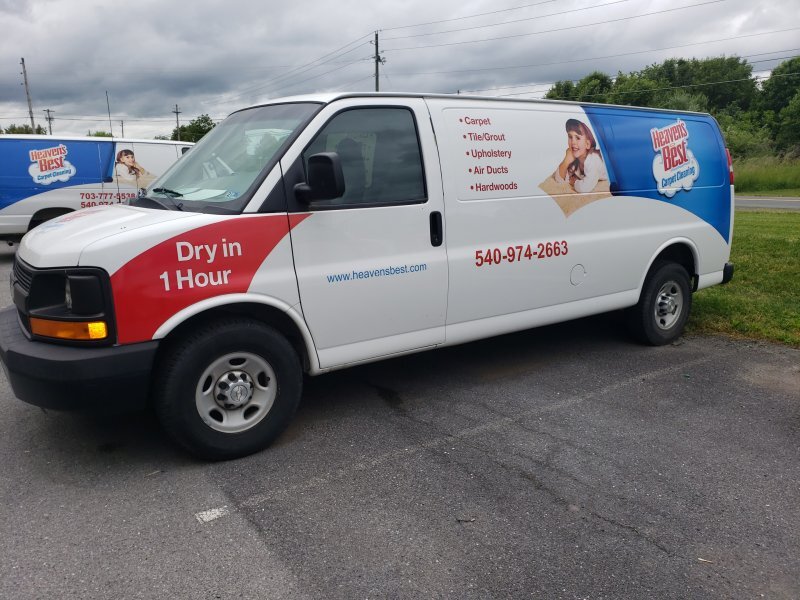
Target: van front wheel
[[663, 308], [228, 389]]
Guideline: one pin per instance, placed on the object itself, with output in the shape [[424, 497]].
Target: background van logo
[[50, 164], [674, 166]]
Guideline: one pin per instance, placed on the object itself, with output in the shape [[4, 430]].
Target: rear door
[[371, 265]]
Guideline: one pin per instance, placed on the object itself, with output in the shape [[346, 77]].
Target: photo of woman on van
[[583, 166], [127, 170]]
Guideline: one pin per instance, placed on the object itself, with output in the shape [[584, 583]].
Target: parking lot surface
[[562, 462]]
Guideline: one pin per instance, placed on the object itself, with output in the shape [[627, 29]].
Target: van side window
[[380, 155]]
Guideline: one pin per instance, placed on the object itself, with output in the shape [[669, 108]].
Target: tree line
[[759, 117], [191, 132]]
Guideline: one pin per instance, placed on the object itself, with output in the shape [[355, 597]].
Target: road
[[563, 462], [767, 202]]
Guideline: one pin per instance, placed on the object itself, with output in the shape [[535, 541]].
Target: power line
[[309, 66], [558, 14], [158, 120], [494, 12], [294, 83], [564, 62], [104, 119], [759, 77], [549, 84], [640, 90], [570, 28], [351, 83], [299, 70], [89, 119], [201, 69], [645, 90], [506, 87]]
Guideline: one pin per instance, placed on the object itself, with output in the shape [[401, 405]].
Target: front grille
[[23, 275]]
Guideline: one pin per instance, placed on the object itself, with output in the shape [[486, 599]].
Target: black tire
[[663, 308], [202, 386]]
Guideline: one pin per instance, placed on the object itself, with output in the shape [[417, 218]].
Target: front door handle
[[436, 228]]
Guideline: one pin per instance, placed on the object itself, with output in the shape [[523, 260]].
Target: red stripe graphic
[[212, 260]]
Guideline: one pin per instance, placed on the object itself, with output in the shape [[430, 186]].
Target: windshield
[[226, 167]]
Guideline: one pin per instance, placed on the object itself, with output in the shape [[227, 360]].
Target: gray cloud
[[212, 57]]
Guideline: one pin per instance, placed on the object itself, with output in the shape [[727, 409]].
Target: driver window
[[380, 156]]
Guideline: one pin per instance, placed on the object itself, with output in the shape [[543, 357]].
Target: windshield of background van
[[223, 169]]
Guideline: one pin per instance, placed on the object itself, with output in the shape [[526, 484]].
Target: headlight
[[83, 294], [68, 304]]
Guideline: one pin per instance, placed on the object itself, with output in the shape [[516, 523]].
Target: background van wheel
[[228, 389], [45, 215], [663, 308]]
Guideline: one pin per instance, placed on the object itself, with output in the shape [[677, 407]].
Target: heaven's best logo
[[50, 164], [674, 166]]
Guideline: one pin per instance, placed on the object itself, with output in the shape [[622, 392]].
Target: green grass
[[766, 173], [763, 300]]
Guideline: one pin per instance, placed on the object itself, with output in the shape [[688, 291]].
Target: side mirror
[[325, 179]]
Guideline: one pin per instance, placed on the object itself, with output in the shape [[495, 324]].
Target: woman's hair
[[581, 129], [132, 169]]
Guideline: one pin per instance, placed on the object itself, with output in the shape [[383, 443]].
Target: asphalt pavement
[[561, 462], [766, 202]]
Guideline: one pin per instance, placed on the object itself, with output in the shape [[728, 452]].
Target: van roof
[[83, 138], [327, 98]]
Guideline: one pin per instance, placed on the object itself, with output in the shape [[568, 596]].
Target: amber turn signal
[[69, 330]]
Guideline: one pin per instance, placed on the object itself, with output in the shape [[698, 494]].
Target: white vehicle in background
[[42, 176], [315, 233]]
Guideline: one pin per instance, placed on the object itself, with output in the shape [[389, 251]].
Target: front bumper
[[113, 378]]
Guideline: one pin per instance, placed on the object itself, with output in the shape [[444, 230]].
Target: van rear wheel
[[228, 389], [663, 308]]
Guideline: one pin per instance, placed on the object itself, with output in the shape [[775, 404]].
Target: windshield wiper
[[169, 205], [169, 192], [170, 195]]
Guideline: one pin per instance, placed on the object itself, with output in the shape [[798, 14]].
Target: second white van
[[42, 176]]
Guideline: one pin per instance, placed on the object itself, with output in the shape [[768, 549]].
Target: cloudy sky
[[214, 57]]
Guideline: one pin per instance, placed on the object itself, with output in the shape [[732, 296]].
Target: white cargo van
[[316, 233], [43, 176]]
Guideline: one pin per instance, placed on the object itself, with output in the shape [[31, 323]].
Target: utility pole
[[177, 123], [28, 93], [49, 118], [378, 62], [122, 124]]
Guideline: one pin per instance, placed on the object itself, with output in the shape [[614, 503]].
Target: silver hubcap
[[669, 305], [236, 392]]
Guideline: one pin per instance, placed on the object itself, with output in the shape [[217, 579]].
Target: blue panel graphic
[[682, 163], [31, 167]]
